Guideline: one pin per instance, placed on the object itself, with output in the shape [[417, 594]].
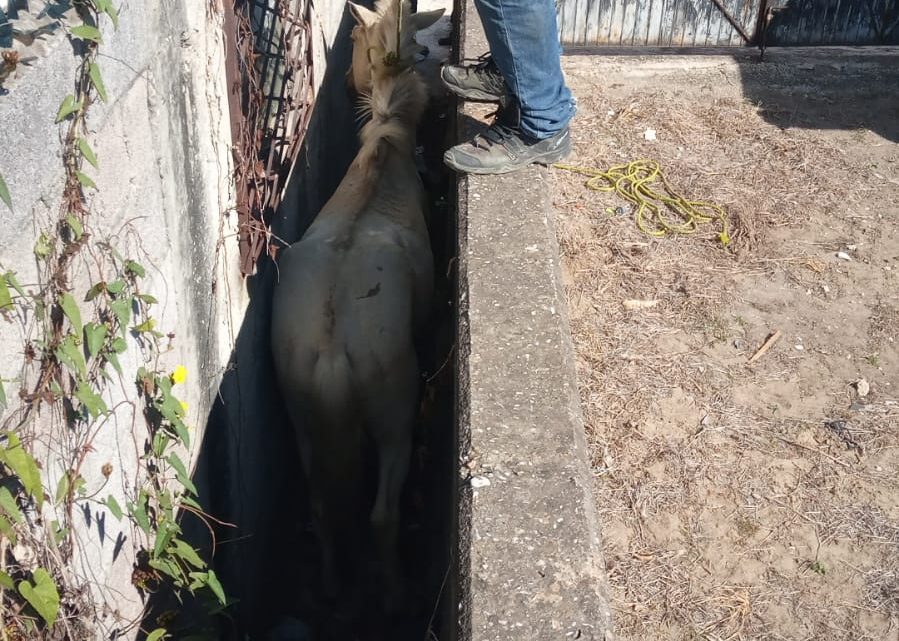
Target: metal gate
[[727, 23]]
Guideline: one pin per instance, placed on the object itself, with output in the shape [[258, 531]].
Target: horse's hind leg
[[331, 456], [391, 418]]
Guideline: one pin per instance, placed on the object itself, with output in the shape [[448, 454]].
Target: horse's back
[[352, 300]]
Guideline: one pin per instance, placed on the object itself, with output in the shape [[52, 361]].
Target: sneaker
[[481, 82], [504, 148]]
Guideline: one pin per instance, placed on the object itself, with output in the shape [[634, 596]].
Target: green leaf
[[87, 152], [94, 291], [146, 326], [9, 505], [70, 354], [93, 71], [105, 6], [75, 225], [67, 108], [140, 515], [157, 634], [90, 399], [184, 551], [183, 434], [87, 32], [24, 466], [160, 442], [213, 582], [198, 580], [59, 533], [6, 581], [42, 596], [4, 193], [85, 180], [114, 361], [113, 14], [122, 309], [163, 537], [114, 507], [116, 287], [189, 502], [13, 282], [167, 567], [62, 488], [94, 337], [70, 309], [43, 246], [148, 299], [5, 296], [181, 472], [7, 530], [119, 345], [135, 268], [2, 397]]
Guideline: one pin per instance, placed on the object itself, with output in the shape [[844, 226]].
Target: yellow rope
[[658, 214]]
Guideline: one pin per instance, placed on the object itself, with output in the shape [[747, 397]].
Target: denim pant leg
[[524, 42]]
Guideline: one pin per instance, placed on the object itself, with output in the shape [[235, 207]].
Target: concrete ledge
[[530, 558]]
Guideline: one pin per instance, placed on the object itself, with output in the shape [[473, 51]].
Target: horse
[[349, 298]]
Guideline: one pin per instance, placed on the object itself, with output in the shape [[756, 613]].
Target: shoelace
[[482, 62], [497, 133]]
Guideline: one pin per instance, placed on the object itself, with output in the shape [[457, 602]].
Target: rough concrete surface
[[163, 146], [531, 561]]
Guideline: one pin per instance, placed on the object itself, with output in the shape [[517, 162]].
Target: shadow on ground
[[833, 88], [826, 91]]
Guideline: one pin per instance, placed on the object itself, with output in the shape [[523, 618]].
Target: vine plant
[[73, 342]]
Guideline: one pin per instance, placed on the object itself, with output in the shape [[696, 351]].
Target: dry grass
[[730, 509]]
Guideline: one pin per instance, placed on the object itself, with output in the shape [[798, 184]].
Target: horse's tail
[[333, 376]]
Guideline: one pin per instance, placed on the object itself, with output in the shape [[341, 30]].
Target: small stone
[[649, 134], [799, 347], [479, 482], [843, 256], [862, 387]]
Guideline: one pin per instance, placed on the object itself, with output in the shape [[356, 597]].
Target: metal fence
[[271, 95], [716, 23]]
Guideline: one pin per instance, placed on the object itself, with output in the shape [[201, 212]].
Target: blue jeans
[[524, 42]]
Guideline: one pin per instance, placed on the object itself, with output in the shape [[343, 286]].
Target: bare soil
[[743, 501]]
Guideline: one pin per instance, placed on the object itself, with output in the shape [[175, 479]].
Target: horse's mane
[[397, 100]]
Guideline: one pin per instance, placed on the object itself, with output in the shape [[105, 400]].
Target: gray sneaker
[[504, 148], [480, 82]]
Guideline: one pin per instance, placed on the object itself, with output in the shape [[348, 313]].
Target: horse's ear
[[364, 17], [425, 19]]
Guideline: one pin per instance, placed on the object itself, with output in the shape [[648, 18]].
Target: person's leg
[[524, 43], [524, 74]]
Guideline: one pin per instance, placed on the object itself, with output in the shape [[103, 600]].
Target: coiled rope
[[658, 213]]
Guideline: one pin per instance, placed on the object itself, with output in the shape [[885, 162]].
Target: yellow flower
[[179, 375], [184, 406]]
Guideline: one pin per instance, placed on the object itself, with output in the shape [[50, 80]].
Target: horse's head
[[384, 40]]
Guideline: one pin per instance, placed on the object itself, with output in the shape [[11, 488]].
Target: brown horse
[[350, 296]]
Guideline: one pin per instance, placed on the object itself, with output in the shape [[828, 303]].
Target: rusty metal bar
[[733, 21], [269, 73]]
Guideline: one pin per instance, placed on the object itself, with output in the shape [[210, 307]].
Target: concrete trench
[[499, 534], [248, 471]]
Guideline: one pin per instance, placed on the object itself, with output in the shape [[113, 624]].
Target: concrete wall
[[163, 146]]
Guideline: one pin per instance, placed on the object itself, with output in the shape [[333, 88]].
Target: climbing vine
[[85, 312]]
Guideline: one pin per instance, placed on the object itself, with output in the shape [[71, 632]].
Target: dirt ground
[[743, 501]]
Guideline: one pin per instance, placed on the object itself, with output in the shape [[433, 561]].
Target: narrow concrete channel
[[249, 474]]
